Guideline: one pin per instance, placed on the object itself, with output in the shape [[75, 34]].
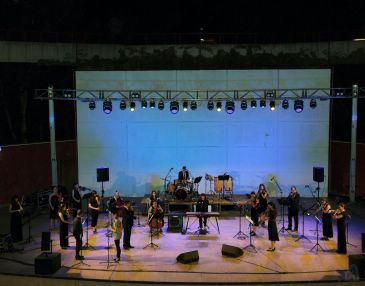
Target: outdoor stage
[[293, 261]]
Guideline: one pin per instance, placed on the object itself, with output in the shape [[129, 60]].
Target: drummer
[[184, 175]]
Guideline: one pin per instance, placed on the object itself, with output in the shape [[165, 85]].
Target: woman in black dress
[[340, 216], [16, 228], [326, 220], [262, 196], [255, 203], [64, 215], [272, 228]]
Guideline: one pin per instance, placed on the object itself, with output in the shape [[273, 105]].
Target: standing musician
[[184, 175], [116, 204], [202, 206], [255, 204], [63, 215], [127, 223], [54, 203], [293, 208], [155, 216], [16, 228], [326, 220], [262, 195], [340, 216], [116, 228], [271, 226], [76, 199], [78, 233], [93, 205]]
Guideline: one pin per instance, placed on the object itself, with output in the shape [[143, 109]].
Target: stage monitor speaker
[[318, 174], [175, 222], [102, 174], [363, 242], [357, 265], [46, 241], [47, 263], [188, 257], [231, 251]]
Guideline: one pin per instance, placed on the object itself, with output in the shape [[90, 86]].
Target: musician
[[127, 223], [202, 206], [255, 204], [93, 205], [78, 233], [54, 203], [116, 228], [184, 174], [326, 220], [155, 216], [76, 199], [272, 227], [63, 215], [262, 196], [15, 210], [116, 204], [154, 196], [293, 208], [340, 216]]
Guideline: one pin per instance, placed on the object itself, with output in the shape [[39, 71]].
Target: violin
[[119, 204]]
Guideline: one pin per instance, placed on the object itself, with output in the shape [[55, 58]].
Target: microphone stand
[[303, 234], [282, 206], [151, 244], [317, 245], [87, 245], [138, 215], [108, 262], [250, 245], [347, 232], [240, 234]]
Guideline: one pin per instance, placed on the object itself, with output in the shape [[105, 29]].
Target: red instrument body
[[157, 221], [119, 205]]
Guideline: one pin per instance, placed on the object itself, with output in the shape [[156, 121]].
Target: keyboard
[[202, 214]]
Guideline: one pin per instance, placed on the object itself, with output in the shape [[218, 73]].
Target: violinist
[[116, 204], [94, 203], [63, 215], [155, 216], [127, 222], [76, 199], [255, 203], [262, 195], [293, 208], [16, 228], [340, 216], [326, 220], [54, 203], [202, 206]]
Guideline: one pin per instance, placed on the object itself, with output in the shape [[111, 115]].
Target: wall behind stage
[[253, 146]]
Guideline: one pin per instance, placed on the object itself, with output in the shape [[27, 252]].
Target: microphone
[[171, 169]]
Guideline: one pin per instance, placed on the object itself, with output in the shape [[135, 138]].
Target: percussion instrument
[[171, 188], [181, 193]]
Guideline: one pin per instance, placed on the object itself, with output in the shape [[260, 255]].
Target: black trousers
[[117, 246], [201, 219], [127, 236], [78, 244], [94, 218], [293, 213]]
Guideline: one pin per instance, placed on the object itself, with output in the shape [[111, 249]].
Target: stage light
[[152, 103], [132, 106], [161, 105], [285, 104], [253, 103], [210, 105], [313, 103], [193, 105], [243, 104], [219, 106], [185, 106], [262, 103], [122, 105], [144, 103], [229, 107], [272, 105], [107, 106], [92, 105], [174, 107], [298, 105]]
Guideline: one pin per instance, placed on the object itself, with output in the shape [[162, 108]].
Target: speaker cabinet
[[357, 265], [318, 174], [232, 251], [46, 241], [102, 174], [47, 263], [175, 222], [188, 257]]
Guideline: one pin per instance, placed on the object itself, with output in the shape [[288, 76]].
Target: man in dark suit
[[202, 206], [77, 232], [184, 174], [127, 222]]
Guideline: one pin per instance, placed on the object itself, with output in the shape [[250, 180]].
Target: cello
[[156, 215]]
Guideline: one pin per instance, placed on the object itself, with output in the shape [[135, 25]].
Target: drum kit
[[180, 188]]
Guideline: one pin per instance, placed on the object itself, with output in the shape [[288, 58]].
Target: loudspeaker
[[231, 251], [188, 257], [175, 222], [363, 242], [318, 174], [357, 265], [46, 241], [47, 263], [102, 174]]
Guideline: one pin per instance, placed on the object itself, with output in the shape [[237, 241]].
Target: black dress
[[341, 234], [272, 228], [327, 225], [64, 231], [16, 228]]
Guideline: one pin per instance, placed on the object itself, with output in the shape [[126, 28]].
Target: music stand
[[223, 178], [196, 182], [304, 211], [138, 215], [151, 244], [250, 245], [108, 262], [347, 232], [240, 234], [81, 261]]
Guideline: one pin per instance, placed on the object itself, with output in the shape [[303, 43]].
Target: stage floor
[[292, 261]]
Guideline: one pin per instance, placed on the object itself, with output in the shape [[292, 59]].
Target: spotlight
[[313, 103], [193, 105], [185, 106], [132, 106], [298, 105], [285, 104], [219, 106], [107, 106], [230, 107], [122, 105], [152, 103], [272, 105], [92, 105], [210, 105], [144, 103], [253, 103], [262, 103], [161, 105], [174, 107], [243, 104]]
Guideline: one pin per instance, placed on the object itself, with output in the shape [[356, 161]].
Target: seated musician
[[255, 204], [155, 216], [154, 197], [184, 175], [202, 206]]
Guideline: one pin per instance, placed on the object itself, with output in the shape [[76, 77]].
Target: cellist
[[155, 216]]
